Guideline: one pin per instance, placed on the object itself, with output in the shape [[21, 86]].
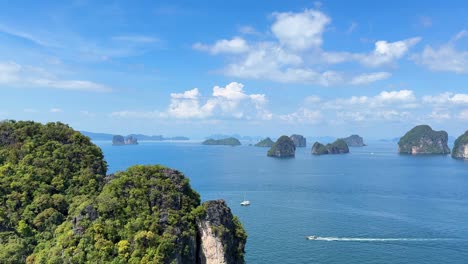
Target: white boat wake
[[367, 239]]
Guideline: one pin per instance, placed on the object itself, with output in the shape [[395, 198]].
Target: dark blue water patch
[[371, 193]]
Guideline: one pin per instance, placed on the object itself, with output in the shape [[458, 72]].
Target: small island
[[299, 141], [266, 143], [283, 148], [460, 148], [119, 140], [354, 141], [423, 140], [225, 142], [337, 147]]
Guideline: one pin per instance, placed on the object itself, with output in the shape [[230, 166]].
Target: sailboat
[[245, 202]]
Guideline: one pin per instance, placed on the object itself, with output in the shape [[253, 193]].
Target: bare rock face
[[423, 140], [283, 148], [299, 141], [460, 148], [221, 237]]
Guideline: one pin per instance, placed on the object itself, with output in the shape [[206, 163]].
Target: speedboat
[[245, 203], [312, 237]]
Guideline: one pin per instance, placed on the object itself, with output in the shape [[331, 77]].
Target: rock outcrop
[[460, 148], [299, 141], [337, 147], [73, 213], [221, 236], [354, 141], [119, 140], [423, 140], [266, 143], [283, 148], [226, 141]]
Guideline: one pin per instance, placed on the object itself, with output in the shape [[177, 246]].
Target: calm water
[[374, 205]]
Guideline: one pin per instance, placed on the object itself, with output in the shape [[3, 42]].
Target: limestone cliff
[[299, 141], [221, 237], [460, 148], [354, 141], [423, 140], [337, 147], [284, 147]]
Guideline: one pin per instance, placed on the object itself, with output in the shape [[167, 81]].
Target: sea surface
[[369, 206]]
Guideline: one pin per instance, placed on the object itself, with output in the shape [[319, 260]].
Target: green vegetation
[[460, 146], [283, 147], [319, 149], [58, 205], [423, 140], [354, 141], [44, 169], [227, 141], [266, 143], [337, 147]]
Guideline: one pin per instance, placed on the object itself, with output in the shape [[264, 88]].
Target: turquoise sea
[[369, 206]]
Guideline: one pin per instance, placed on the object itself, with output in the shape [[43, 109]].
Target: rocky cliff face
[[284, 147], [299, 141], [423, 140], [354, 141], [73, 213], [221, 238], [337, 147], [460, 148]]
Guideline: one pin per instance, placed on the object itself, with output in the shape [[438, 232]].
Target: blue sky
[[249, 67]]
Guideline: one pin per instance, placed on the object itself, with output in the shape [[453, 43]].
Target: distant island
[[266, 143], [283, 148], [299, 141], [423, 140], [354, 141], [226, 142], [337, 147], [119, 140], [104, 136], [460, 148]]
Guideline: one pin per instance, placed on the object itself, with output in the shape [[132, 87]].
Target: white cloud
[[295, 53], [300, 31], [303, 115], [248, 30], [235, 45], [446, 98], [14, 74], [445, 58], [440, 115], [387, 52], [370, 78], [27, 36], [229, 102], [56, 110]]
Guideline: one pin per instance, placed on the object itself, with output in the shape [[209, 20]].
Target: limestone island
[[460, 148], [266, 143], [337, 147], [299, 141], [119, 140], [423, 140], [74, 212], [283, 148], [225, 142], [354, 141]]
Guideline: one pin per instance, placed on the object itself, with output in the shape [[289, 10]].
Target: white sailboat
[[245, 202]]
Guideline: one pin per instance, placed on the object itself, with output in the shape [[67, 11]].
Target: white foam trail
[[367, 239]]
